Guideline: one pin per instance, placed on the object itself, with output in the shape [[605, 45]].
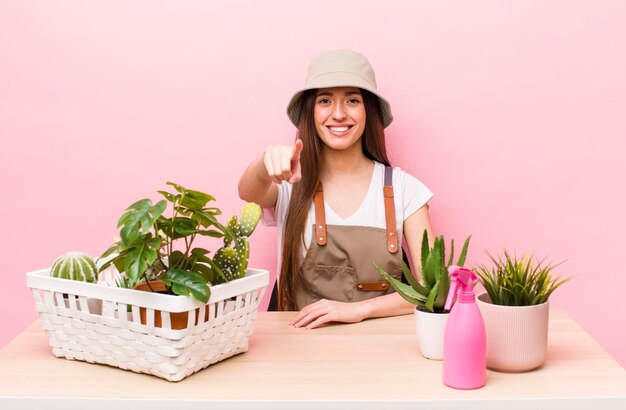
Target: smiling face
[[339, 115]]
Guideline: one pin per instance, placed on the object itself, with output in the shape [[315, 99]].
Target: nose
[[339, 112]]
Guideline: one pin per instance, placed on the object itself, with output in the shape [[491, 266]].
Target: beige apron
[[339, 262]]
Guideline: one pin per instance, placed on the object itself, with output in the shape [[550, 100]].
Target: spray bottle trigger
[[453, 271]]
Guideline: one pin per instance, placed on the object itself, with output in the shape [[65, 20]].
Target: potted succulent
[[515, 309], [156, 253], [429, 296]]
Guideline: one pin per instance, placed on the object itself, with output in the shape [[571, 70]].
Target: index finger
[[297, 149]]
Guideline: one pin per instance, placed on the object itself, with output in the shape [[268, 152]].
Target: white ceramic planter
[[517, 336], [430, 328]]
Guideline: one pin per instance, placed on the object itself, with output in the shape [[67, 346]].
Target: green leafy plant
[[150, 244], [513, 281], [431, 294]]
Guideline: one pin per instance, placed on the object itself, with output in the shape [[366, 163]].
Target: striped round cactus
[[75, 266]]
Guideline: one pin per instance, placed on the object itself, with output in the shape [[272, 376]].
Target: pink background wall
[[513, 113]]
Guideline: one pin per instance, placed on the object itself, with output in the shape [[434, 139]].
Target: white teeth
[[339, 129]]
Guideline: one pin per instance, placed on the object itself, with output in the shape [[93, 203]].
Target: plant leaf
[[113, 249], [170, 197], [142, 254], [429, 269], [177, 260], [212, 211], [430, 301], [463, 255], [451, 259], [218, 274], [142, 204], [202, 218], [184, 282], [425, 251], [404, 290], [205, 270], [211, 233], [118, 259], [177, 187], [413, 281], [444, 287], [139, 218], [195, 200], [442, 255]]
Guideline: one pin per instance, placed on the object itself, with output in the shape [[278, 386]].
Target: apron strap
[[320, 216], [390, 212]]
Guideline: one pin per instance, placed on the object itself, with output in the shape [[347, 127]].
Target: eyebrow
[[326, 93]]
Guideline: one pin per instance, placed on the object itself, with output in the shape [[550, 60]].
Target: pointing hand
[[283, 162]]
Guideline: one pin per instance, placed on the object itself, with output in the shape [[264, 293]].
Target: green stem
[[193, 236], [170, 239], [148, 282], [182, 260]]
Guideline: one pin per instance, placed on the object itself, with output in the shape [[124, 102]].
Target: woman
[[338, 204]]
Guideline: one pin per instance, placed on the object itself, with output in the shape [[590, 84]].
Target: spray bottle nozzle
[[459, 277]]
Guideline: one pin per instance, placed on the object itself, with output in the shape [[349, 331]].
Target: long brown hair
[[373, 145]]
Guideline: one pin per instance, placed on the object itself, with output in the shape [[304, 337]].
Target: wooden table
[[370, 365]]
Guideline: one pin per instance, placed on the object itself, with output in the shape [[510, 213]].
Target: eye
[[323, 101], [354, 100]]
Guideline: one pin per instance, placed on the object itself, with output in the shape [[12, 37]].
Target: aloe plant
[[431, 294], [513, 281]]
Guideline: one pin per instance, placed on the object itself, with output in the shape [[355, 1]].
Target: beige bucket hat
[[339, 68]]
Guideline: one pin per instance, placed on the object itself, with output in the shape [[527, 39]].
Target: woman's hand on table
[[324, 311]]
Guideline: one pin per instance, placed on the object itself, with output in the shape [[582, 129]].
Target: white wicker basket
[[100, 323]]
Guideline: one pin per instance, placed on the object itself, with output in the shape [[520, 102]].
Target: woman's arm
[[255, 185], [414, 228], [278, 163], [324, 310]]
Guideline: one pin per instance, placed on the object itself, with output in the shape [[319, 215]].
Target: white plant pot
[[517, 336], [430, 329]]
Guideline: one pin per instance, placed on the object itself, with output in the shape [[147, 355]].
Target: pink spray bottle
[[465, 343]]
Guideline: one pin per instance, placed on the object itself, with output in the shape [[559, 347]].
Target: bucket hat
[[338, 68]]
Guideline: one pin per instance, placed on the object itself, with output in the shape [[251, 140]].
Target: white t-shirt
[[410, 194]]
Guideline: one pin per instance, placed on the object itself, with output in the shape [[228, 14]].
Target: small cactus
[[75, 266], [250, 215], [226, 259], [242, 248], [234, 261], [233, 225]]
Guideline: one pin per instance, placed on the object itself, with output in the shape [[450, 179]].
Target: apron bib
[[339, 264]]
